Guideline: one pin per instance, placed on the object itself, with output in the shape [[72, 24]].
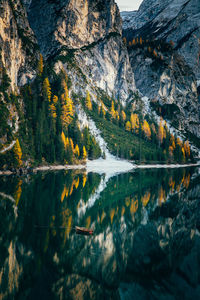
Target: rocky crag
[[90, 31], [165, 61]]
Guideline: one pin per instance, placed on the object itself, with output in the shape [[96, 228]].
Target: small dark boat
[[84, 231]]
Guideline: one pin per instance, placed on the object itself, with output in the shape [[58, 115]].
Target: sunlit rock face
[[92, 30], [72, 23], [17, 43], [174, 79]]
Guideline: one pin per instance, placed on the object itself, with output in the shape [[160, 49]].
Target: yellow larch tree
[[77, 151], [112, 110], [64, 140], [179, 142], [47, 89], [71, 144], [18, 192], [88, 222], [123, 116], [18, 152], [160, 132], [52, 107], [55, 99], [183, 152], [88, 102], [84, 180], [146, 129], [141, 41], [187, 148], [40, 65], [67, 107], [77, 181], [172, 141], [155, 53], [128, 126], [112, 213], [124, 40], [145, 199], [84, 153], [135, 124]]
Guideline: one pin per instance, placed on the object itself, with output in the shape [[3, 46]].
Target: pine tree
[[18, 153]]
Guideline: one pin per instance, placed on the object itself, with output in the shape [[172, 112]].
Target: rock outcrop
[[165, 59], [18, 46], [91, 30]]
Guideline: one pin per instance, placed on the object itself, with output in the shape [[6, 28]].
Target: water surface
[[145, 243]]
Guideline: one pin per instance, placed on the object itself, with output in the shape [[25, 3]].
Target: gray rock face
[[71, 23], [172, 80], [92, 29], [17, 43], [170, 20]]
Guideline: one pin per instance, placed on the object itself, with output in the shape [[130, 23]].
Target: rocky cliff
[[91, 31], [18, 46], [165, 60]]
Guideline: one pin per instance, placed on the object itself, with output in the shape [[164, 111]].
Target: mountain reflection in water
[[146, 242]]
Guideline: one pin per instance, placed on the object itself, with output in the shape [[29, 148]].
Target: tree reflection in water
[[144, 232]]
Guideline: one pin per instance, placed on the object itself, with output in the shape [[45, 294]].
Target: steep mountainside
[[19, 54], [18, 46], [90, 31], [169, 20], [165, 57]]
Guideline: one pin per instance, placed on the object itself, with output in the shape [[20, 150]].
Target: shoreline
[[165, 166], [81, 167]]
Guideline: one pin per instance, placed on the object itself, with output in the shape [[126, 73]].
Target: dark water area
[[146, 241]]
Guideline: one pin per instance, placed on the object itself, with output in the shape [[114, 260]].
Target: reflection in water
[[138, 221]]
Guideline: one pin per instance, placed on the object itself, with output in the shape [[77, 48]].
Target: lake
[[146, 241]]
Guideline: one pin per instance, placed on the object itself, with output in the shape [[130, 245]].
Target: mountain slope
[[165, 58], [91, 31]]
